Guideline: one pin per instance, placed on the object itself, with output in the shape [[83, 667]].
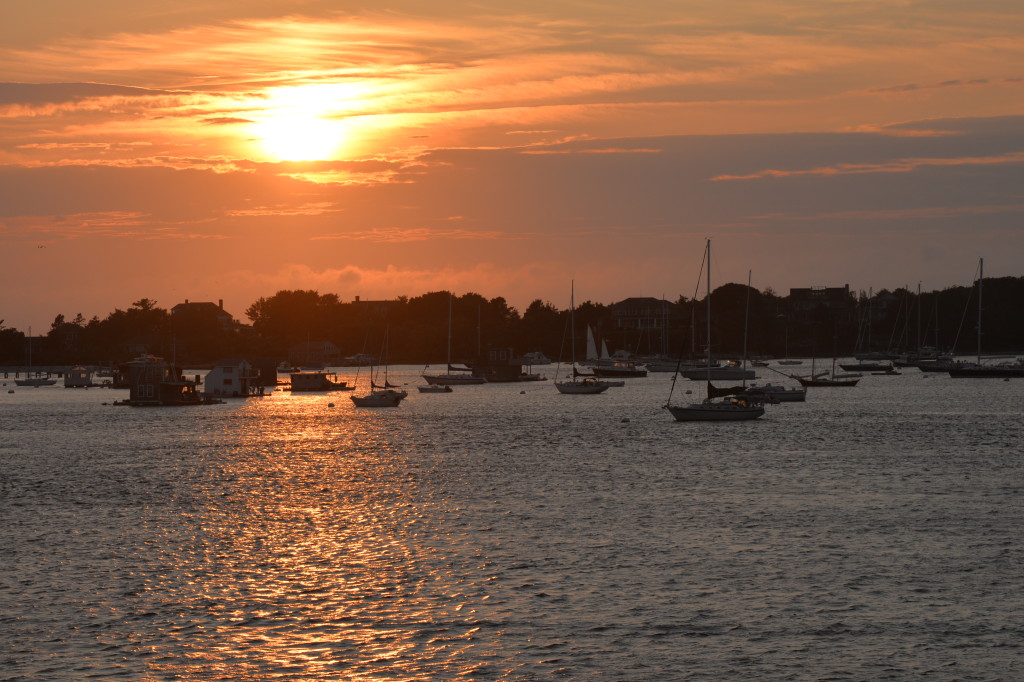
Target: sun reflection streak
[[312, 555]]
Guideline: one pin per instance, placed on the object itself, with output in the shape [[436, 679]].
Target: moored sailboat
[[589, 385], [729, 407]]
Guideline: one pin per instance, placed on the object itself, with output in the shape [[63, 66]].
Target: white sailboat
[[728, 408], [451, 377], [575, 386], [381, 396]]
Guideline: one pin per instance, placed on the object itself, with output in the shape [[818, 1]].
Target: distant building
[[372, 308], [803, 302], [646, 323], [203, 308], [645, 313]]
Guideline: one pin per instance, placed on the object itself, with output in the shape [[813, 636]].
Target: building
[[154, 382], [201, 309], [837, 300], [232, 378], [647, 324]]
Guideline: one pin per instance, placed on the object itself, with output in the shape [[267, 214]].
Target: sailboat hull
[[715, 412], [453, 379], [585, 387]]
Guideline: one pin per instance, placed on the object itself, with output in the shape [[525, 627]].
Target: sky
[[229, 149]]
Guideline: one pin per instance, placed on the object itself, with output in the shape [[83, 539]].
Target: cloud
[[894, 166]]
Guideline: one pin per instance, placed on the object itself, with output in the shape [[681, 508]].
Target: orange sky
[[204, 151]]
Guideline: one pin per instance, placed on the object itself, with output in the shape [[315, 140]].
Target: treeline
[[415, 330]]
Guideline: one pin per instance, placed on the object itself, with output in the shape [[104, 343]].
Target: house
[[837, 300], [646, 323], [232, 378], [201, 309]]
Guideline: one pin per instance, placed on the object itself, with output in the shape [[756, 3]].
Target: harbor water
[[509, 532]]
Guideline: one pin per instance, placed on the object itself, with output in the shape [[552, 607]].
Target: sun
[[306, 123], [301, 137]]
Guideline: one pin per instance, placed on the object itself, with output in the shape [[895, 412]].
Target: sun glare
[[297, 137], [300, 124]]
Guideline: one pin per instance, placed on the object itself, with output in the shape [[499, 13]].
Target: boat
[[536, 358], [618, 369], [980, 370], [386, 397], [820, 380], [154, 382], [730, 371], [589, 385], [866, 366], [458, 376], [782, 394], [726, 407], [433, 388], [381, 396], [37, 380], [317, 381]]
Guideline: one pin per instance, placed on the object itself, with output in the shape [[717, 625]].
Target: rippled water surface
[[511, 532]]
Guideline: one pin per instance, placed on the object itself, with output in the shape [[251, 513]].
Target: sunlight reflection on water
[[496, 534]]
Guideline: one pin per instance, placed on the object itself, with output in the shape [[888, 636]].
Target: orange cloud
[[895, 166]]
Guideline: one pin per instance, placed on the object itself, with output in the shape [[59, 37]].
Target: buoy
[[522, 392], [688, 392], [625, 420], [330, 404]]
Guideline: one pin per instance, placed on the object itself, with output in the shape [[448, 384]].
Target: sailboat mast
[[709, 310], [450, 297], [572, 326], [981, 278], [746, 321]]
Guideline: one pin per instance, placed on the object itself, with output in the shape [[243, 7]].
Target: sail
[[591, 345], [604, 351]]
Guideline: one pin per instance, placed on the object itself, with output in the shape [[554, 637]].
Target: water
[[510, 532]]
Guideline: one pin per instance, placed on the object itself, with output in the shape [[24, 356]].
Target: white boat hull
[[453, 379]]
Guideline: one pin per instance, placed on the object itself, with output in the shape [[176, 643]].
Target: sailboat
[[730, 407], [589, 384], [29, 380], [979, 370], [820, 380], [381, 396], [451, 377]]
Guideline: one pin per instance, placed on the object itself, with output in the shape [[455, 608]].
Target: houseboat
[[153, 382], [232, 378]]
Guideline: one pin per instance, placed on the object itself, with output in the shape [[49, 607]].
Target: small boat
[[381, 396], [458, 376], [317, 381], [721, 404], [734, 408], [782, 394], [979, 370], [590, 385], [434, 388], [387, 397]]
